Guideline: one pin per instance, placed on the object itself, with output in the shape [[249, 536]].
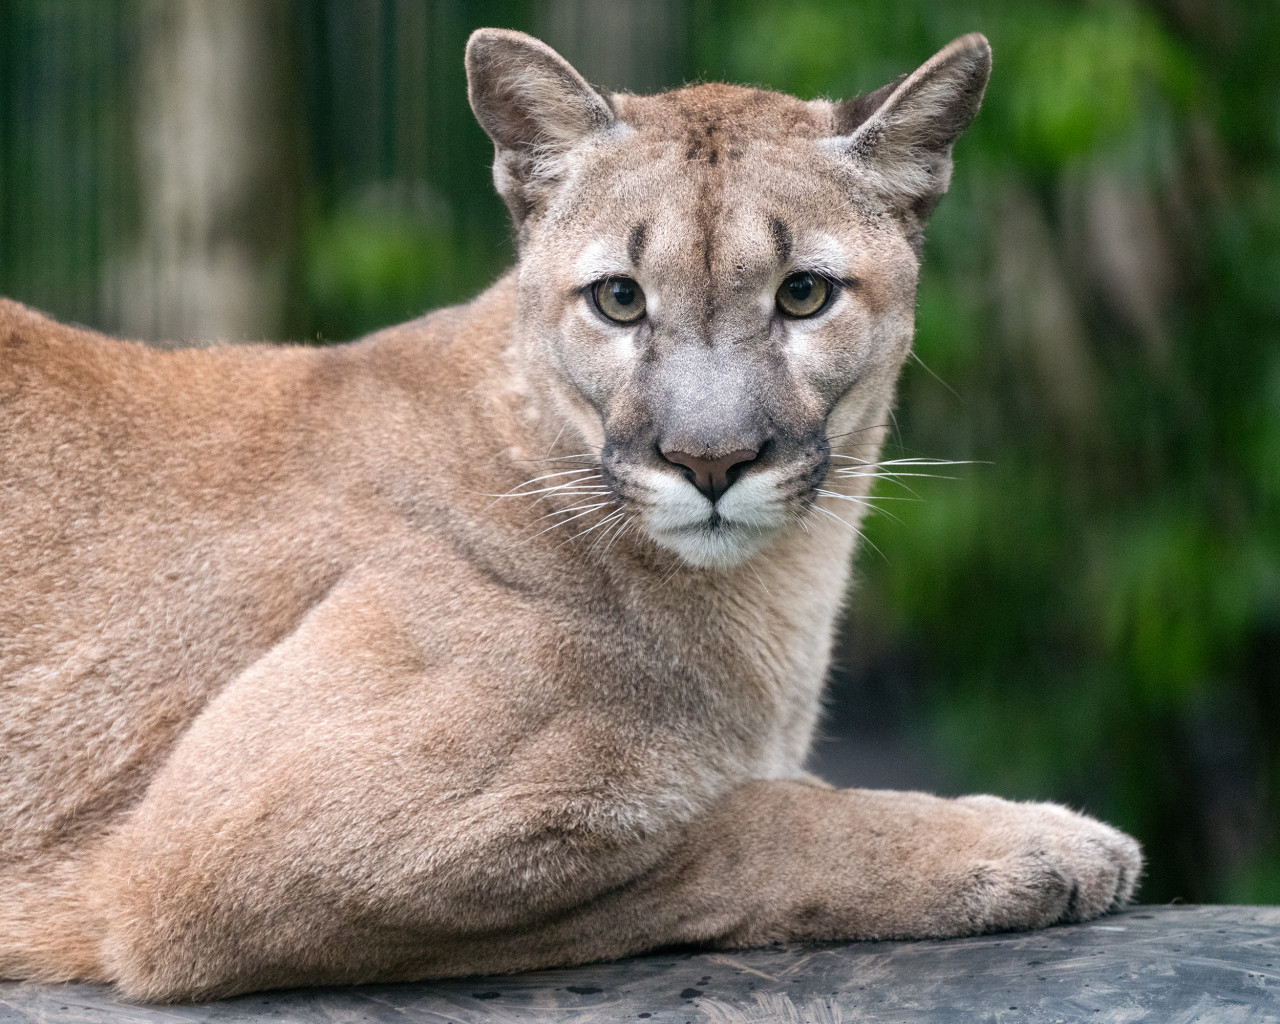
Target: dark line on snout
[[781, 239], [636, 242]]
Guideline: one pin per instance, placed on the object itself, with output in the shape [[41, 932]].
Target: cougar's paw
[[1059, 866]]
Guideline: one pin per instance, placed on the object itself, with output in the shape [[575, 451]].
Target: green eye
[[620, 299], [803, 294]]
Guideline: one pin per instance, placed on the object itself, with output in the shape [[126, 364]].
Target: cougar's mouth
[[715, 534]]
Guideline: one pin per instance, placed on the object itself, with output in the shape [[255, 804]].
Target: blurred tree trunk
[[217, 164]]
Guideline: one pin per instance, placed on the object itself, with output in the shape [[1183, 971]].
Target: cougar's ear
[[534, 106], [902, 134]]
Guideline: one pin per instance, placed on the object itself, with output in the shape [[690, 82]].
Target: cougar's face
[[713, 307]]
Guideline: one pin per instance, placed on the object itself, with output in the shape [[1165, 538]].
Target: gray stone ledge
[[1169, 964]]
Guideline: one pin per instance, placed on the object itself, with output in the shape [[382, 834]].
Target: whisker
[[866, 498], [586, 511], [610, 520], [572, 493], [929, 370], [566, 485], [860, 430], [759, 579], [892, 478], [560, 472], [851, 471], [607, 519], [863, 502], [858, 533], [932, 462], [559, 458], [563, 489], [518, 490], [617, 533], [556, 440], [571, 508], [911, 461]]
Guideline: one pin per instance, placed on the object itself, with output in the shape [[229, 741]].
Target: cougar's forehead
[[711, 190], [715, 121]]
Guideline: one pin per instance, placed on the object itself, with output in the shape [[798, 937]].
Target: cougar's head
[[718, 283]]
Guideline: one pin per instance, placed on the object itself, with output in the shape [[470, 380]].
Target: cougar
[[496, 640]]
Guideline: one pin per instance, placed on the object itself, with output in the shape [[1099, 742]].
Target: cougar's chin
[[741, 524], [715, 545]]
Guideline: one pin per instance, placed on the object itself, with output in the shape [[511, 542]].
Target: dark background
[[1089, 612]]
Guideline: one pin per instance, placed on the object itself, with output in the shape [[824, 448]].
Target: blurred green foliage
[[1091, 611], [370, 264]]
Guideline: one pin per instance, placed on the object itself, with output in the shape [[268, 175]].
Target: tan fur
[[307, 677]]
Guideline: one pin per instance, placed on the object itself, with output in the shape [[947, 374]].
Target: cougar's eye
[[620, 299], [803, 294]]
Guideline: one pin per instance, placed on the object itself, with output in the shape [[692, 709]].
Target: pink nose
[[712, 476]]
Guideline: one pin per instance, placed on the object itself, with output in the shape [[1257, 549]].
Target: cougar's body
[[496, 640]]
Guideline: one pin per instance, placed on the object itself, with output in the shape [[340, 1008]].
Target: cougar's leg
[[783, 861], [772, 861], [788, 861]]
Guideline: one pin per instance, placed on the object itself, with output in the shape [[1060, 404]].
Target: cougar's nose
[[712, 476]]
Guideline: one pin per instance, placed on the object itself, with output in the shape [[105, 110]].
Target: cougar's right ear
[[535, 107]]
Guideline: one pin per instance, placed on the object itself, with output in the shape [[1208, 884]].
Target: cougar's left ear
[[534, 106], [902, 134]]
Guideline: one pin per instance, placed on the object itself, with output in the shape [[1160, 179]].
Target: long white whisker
[[560, 458], [853, 475], [892, 478], [563, 485], [563, 472], [617, 533], [862, 536], [863, 502], [576, 493], [932, 462], [519, 490], [556, 440], [759, 579], [589, 529], [571, 508], [608, 521], [584, 512], [859, 430], [869, 464], [866, 497], [929, 370]]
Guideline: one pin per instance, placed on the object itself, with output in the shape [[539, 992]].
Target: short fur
[[415, 657]]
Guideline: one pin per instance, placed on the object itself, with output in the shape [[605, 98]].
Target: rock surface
[[1169, 964]]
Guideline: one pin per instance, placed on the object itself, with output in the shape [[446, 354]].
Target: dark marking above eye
[[635, 242], [781, 239]]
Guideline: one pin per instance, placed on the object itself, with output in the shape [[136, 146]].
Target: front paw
[[1054, 866]]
